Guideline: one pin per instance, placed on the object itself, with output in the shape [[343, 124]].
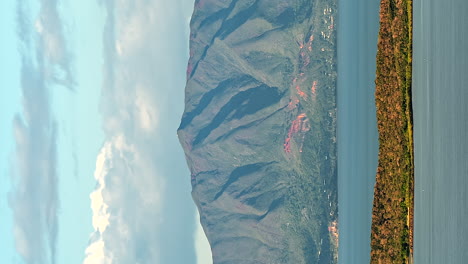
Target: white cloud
[[98, 206], [125, 204], [202, 246], [50, 28], [39, 27], [146, 111], [95, 253]]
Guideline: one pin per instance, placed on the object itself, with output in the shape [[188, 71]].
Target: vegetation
[[312, 199], [392, 215]]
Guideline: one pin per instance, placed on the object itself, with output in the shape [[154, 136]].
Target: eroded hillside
[[259, 129]]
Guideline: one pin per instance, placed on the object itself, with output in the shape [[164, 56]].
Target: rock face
[[259, 129]]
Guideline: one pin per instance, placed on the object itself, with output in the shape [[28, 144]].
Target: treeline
[[392, 214]]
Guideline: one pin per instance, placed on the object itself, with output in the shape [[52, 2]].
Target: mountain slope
[[259, 129]]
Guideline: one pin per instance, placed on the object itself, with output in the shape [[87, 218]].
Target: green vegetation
[[392, 219]]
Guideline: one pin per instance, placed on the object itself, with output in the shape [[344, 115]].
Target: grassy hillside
[[259, 129], [392, 219]]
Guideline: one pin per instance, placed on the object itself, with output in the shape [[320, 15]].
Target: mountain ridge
[[258, 129]]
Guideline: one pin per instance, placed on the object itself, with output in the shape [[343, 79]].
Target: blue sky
[[91, 170]]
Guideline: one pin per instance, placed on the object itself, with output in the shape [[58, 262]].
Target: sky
[[91, 170]]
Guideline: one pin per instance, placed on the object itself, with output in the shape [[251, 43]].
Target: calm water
[[357, 126], [440, 95]]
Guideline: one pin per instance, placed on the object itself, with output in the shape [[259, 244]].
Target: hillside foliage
[[392, 214]]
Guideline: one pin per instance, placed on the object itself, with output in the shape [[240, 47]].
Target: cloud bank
[[141, 204], [125, 197], [34, 199]]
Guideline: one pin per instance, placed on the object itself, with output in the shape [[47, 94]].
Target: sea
[[357, 137], [440, 105]]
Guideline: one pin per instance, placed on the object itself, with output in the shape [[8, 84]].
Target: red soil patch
[[300, 124]]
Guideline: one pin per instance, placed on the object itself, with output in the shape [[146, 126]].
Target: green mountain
[[259, 129]]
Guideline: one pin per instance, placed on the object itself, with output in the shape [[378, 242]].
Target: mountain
[[259, 129]]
